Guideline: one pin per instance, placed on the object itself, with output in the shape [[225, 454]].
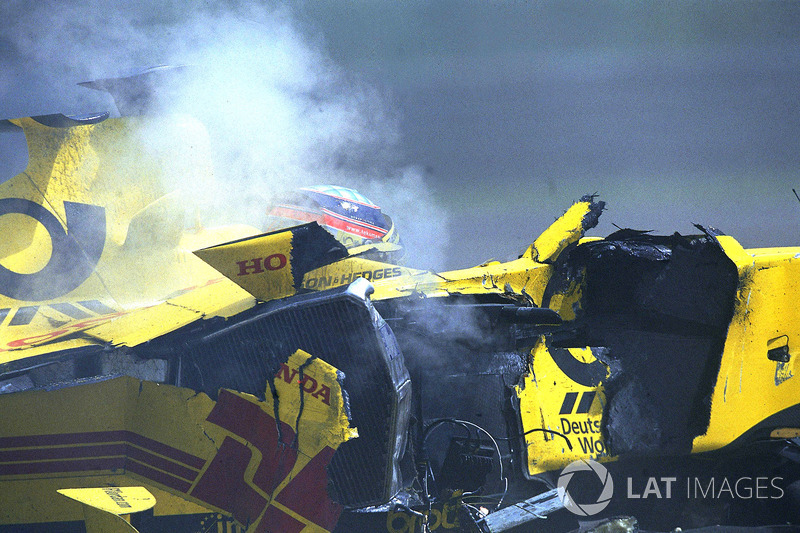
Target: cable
[[554, 432], [499, 458]]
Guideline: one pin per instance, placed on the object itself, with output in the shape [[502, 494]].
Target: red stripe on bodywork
[[165, 450], [307, 494], [249, 421], [276, 521], [147, 458], [223, 484], [101, 437], [31, 455], [57, 467], [71, 452], [159, 477]]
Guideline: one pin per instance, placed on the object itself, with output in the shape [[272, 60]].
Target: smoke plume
[[279, 113]]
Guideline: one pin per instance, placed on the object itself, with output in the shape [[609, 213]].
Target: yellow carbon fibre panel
[[749, 386], [383, 276], [103, 508], [246, 262], [114, 500], [217, 297], [549, 399], [22, 351], [214, 298], [105, 164], [324, 419], [524, 279], [172, 441], [261, 265], [92, 219], [22, 495], [567, 229], [520, 278]]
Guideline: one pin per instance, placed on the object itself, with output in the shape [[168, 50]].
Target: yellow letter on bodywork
[[272, 265]]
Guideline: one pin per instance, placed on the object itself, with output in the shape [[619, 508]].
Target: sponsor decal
[[116, 496], [324, 282], [259, 265], [242, 478], [439, 517], [320, 391], [586, 374], [76, 250], [586, 430], [583, 407]]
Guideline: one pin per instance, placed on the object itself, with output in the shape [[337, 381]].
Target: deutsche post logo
[[76, 250]]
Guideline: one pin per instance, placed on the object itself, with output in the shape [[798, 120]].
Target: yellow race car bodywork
[[114, 318]]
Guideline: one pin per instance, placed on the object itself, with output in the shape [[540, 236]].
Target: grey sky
[[674, 112]]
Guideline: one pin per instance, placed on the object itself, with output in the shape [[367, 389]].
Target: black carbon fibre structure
[[68, 121], [342, 328]]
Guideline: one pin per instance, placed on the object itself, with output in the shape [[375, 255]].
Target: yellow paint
[[113, 168], [567, 229], [261, 265], [345, 271], [324, 419], [173, 417], [442, 516], [114, 500], [785, 433], [108, 509], [34, 254], [541, 396], [524, 278], [750, 387]]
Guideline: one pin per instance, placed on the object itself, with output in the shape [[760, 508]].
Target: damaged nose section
[[341, 328]]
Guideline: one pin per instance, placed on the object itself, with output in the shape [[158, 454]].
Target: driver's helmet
[[350, 216]]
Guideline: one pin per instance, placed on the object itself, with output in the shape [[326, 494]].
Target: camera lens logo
[[585, 509]]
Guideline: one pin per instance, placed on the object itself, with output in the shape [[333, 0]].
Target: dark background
[[673, 112]]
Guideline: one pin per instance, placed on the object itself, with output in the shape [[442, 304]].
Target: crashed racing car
[[166, 378]]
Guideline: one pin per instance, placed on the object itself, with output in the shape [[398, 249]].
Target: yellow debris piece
[[114, 500]]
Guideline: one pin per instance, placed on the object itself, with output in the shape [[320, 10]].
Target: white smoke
[[279, 112]]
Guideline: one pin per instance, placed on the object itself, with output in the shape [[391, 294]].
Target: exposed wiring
[[425, 434], [441, 421], [479, 516], [569, 444], [496, 447]]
